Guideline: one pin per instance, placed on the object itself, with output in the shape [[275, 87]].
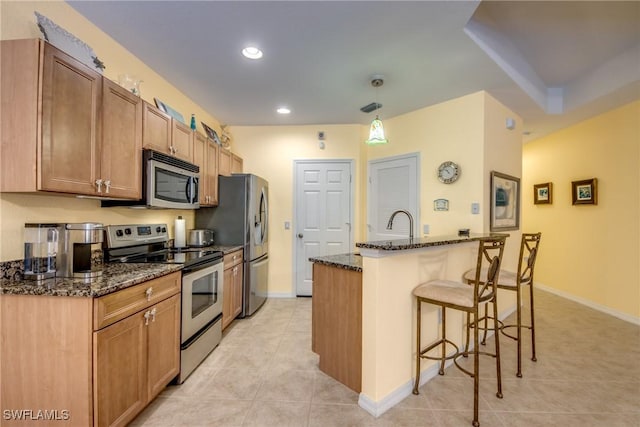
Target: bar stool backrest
[[528, 254], [490, 251]]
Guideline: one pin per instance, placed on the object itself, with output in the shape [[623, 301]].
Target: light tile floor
[[264, 374]]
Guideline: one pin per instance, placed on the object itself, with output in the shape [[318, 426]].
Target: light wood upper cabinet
[[121, 157], [166, 135], [156, 132], [229, 163], [224, 162], [63, 135], [71, 95], [205, 155], [236, 163], [182, 141]]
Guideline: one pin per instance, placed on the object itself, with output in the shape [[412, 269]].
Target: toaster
[[200, 237]]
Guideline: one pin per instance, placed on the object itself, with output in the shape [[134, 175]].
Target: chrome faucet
[[393, 215]]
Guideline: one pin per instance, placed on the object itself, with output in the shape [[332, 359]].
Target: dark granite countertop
[[350, 261], [225, 249], [115, 277], [424, 242]]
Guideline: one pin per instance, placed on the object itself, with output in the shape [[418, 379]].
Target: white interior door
[[393, 185], [322, 215]]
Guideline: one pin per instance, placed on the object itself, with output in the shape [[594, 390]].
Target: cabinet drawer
[[118, 305], [232, 259]]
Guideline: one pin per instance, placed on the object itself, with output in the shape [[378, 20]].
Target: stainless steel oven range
[[202, 275]]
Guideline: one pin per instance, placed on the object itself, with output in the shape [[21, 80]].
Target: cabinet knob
[[99, 185], [148, 293], [107, 185], [153, 314]]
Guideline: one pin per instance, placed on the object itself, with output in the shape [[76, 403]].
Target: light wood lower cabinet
[[134, 359], [232, 287], [100, 361]]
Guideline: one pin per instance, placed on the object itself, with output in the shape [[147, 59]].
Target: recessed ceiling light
[[252, 52], [283, 110]]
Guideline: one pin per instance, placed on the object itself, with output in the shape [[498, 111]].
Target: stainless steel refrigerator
[[242, 218]]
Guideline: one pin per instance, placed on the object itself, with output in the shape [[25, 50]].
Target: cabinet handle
[[153, 314], [107, 185], [148, 293], [99, 185], [147, 314]]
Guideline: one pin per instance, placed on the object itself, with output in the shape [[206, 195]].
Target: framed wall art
[[584, 192], [505, 202], [543, 194], [170, 111]]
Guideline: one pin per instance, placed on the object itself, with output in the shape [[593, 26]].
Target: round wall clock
[[448, 172]]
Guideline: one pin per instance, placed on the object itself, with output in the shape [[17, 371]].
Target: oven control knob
[[119, 233], [127, 231], [164, 229], [158, 229]]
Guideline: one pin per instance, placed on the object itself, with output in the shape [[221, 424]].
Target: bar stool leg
[[497, 338], [533, 325], [519, 329], [444, 340], [476, 369], [418, 349]]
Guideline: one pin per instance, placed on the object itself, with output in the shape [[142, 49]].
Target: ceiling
[[553, 63]]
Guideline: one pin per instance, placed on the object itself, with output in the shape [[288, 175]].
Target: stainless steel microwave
[[167, 182]]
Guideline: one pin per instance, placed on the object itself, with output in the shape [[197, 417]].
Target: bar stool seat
[[460, 296], [512, 281]]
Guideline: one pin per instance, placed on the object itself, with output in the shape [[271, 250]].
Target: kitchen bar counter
[[114, 277], [350, 261], [391, 269], [422, 242]]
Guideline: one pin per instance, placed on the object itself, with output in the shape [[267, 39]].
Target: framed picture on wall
[[584, 192], [543, 193], [505, 202]]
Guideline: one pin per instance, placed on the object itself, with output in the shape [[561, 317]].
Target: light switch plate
[[425, 228], [287, 225], [475, 208]]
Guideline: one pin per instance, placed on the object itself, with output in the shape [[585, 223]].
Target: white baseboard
[[607, 310], [398, 395], [280, 295]]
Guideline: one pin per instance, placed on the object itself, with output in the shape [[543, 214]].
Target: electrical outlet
[[425, 228], [475, 208]]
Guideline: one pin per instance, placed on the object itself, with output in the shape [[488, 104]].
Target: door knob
[[300, 235]]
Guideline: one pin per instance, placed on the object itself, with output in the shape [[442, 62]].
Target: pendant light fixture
[[376, 130]]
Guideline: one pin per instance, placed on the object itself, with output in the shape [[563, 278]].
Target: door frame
[[413, 155], [296, 162]]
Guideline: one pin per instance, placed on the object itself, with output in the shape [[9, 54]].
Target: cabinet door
[[121, 167], [224, 162], [156, 129], [237, 290], [227, 297], [120, 366], [236, 164], [163, 341], [182, 141], [212, 172], [199, 158], [71, 94]]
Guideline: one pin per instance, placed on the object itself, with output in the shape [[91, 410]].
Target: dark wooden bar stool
[[460, 296], [514, 282]]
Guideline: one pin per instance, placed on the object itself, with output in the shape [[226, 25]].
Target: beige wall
[[462, 130], [269, 151], [16, 22], [590, 252]]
